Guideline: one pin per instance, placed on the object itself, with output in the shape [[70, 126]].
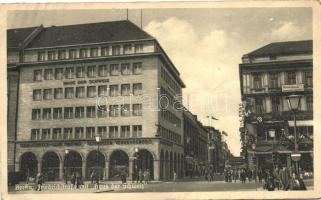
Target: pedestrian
[[284, 178], [259, 174], [296, 183], [175, 177], [92, 176], [73, 179], [145, 177], [276, 175], [141, 176], [211, 175], [148, 175], [39, 181], [269, 183], [77, 180], [243, 176], [249, 175]]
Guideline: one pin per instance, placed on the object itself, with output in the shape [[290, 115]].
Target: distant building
[[69, 84], [267, 76], [195, 143]]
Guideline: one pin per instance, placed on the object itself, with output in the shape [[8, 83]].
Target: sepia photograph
[[157, 100]]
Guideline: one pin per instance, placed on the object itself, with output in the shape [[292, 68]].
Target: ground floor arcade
[[59, 160]]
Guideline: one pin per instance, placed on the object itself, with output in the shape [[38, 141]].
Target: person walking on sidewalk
[[39, 181]]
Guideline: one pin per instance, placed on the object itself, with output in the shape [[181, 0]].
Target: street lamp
[[135, 164], [294, 104], [272, 135], [98, 140], [66, 166]]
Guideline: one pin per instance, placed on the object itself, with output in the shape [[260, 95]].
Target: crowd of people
[[142, 176], [280, 179]]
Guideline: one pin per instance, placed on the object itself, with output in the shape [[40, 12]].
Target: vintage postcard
[[161, 100]]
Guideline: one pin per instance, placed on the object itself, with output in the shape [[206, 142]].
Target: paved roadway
[[180, 186]]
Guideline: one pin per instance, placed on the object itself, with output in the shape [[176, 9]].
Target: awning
[[301, 123]]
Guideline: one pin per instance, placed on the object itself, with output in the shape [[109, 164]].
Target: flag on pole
[[224, 133], [214, 118]]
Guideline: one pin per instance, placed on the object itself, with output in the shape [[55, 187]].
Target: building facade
[[195, 142], [68, 85], [268, 76]]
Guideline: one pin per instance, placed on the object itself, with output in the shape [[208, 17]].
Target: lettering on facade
[[94, 81], [293, 88]]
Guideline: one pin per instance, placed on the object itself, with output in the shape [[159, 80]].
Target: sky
[[205, 44]]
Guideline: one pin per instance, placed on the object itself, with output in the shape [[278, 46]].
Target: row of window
[[168, 79], [301, 131], [87, 132], [171, 118], [170, 135], [89, 91], [113, 50], [290, 79], [101, 111], [91, 71], [276, 104]]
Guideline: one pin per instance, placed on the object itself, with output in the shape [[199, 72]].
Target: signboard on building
[[293, 88]]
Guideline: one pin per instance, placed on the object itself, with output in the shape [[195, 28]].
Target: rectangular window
[[102, 91], [91, 111], [59, 73], [37, 95], [48, 74], [67, 133], [125, 69], [93, 52], [69, 73], [137, 131], [79, 132], [62, 54], [102, 70], [79, 112], [291, 78], [104, 51], [37, 75], [80, 92], [91, 91], [45, 134], [114, 110], [125, 110], [83, 53], [72, 53], [113, 132], [102, 111], [56, 133], [257, 81], [127, 49], [36, 114], [41, 56], [102, 131], [69, 92], [139, 48], [274, 83], [58, 93], [114, 70], [275, 103], [309, 100], [90, 132], [51, 55], [115, 50], [259, 105], [47, 94], [91, 71], [125, 132], [137, 110], [308, 80], [57, 113], [35, 134], [125, 89], [80, 72], [68, 112], [113, 90], [137, 88], [46, 114], [137, 68]]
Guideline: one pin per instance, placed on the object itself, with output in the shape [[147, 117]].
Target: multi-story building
[[69, 84], [268, 76], [195, 142]]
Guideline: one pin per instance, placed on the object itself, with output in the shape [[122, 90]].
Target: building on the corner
[[195, 143], [267, 76], [67, 84]]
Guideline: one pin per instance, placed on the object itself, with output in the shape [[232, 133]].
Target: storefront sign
[[293, 88], [93, 81]]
